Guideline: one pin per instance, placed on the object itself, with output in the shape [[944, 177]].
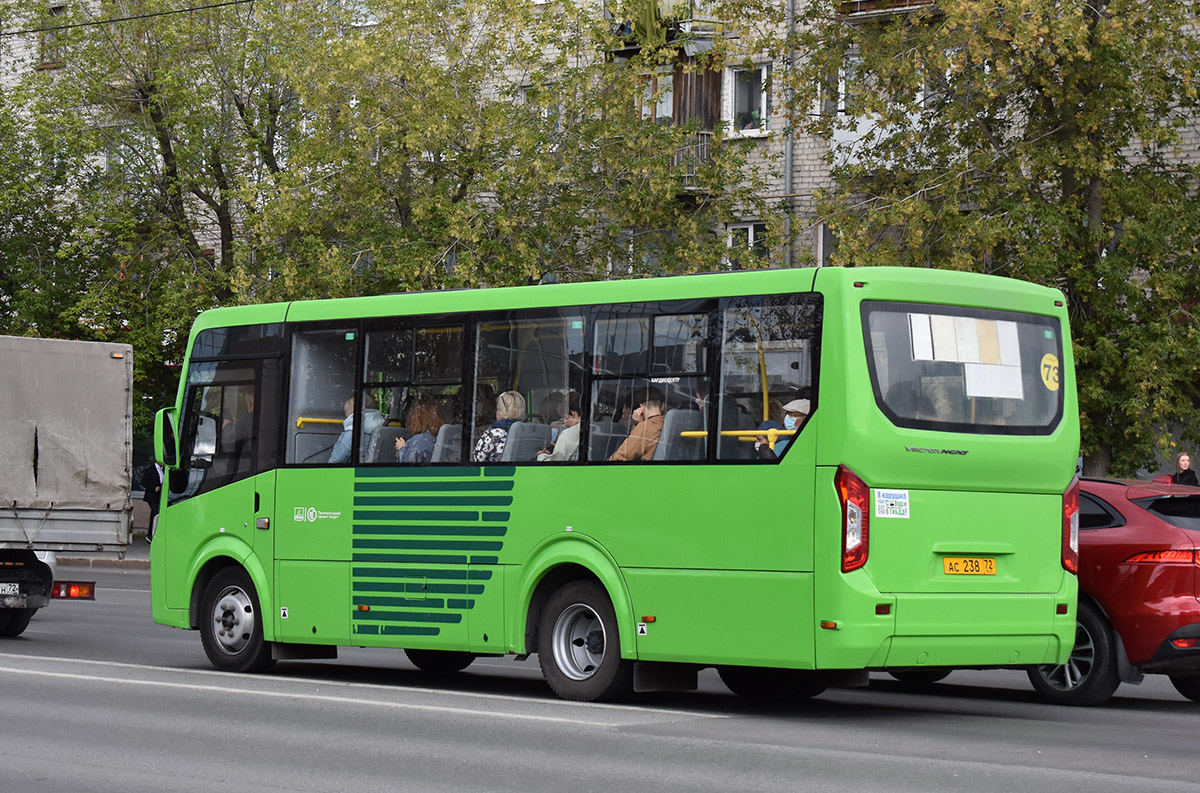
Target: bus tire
[[919, 677], [439, 662], [231, 623], [767, 684], [1188, 685], [1090, 675], [579, 649], [18, 621]]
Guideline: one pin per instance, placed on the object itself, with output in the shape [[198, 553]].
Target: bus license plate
[[10, 588], [969, 565]]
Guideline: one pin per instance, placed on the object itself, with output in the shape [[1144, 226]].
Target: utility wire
[[96, 22]]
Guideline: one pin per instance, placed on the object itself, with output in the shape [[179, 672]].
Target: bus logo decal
[[923, 450]]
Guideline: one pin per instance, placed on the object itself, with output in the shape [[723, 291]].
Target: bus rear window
[[964, 370]]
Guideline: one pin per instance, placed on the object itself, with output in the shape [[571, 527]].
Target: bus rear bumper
[[981, 630]]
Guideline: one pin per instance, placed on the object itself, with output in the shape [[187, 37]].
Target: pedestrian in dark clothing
[[152, 479], [1184, 473]]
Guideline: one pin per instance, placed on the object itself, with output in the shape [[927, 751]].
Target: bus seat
[[604, 438], [382, 448], [447, 448], [671, 446], [525, 440]]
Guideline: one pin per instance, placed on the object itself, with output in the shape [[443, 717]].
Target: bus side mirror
[[166, 445]]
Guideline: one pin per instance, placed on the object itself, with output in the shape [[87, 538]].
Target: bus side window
[[323, 365]]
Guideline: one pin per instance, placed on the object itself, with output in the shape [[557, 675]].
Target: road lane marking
[[225, 690], [562, 703]]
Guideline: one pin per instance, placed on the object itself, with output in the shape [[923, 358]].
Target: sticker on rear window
[[1050, 371], [891, 503]]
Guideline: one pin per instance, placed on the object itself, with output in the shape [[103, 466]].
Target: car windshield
[[1181, 511]]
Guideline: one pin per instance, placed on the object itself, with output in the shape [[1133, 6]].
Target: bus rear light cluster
[[1070, 528], [74, 590], [855, 497]]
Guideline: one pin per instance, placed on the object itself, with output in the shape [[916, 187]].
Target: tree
[[1037, 139]]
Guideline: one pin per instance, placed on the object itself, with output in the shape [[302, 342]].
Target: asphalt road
[[95, 697]]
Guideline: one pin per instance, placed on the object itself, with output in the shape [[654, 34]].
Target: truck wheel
[[5, 616], [18, 621], [231, 623], [762, 684], [1090, 675], [439, 662], [1187, 685], [578, 647]]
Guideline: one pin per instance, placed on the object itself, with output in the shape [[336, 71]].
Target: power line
[[96, 22]]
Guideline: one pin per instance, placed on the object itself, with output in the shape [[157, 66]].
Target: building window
[[52, 55], [751, 237], [658, 98], [748, 100]]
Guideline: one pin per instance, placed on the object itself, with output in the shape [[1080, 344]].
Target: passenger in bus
[[372, 420], [648, 418], [424, 420], [510, 408], [566, 447], [794, 414]]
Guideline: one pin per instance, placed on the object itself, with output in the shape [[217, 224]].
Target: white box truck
[[66, 426]]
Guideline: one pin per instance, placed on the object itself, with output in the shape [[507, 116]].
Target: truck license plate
[[10, 588], [969, 565]]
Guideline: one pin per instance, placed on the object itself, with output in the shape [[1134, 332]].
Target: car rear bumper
[[1170, 658]]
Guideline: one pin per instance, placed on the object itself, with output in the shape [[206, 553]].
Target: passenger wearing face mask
[[794, 414]]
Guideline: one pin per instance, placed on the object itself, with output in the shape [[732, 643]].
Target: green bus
[[794, 476]]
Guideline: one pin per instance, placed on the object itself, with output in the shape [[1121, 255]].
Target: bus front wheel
[[769, 684], [231, 623], [578, 647]]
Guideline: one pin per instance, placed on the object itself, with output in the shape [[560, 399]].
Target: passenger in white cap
[[795, 413]]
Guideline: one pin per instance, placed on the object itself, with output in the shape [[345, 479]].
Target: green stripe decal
[[423, 540]]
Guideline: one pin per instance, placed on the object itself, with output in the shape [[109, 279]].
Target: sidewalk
[[137, 556]]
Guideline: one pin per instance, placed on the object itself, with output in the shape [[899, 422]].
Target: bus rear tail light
[[1070, 528], [856, 501], [74, 590]]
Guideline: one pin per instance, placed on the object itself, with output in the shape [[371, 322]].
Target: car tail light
[[74, 590], [1070, 528], [1164, 557], [856, 499]]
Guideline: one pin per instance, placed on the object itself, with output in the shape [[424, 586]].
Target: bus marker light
[[829, 625], [362, 607], [648, 619], [1061, 608], [883, 608], [1184, 644]]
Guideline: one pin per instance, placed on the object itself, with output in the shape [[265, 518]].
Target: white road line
[[378, 686], [225, 690]]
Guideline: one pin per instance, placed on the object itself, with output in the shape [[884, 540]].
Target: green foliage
[[1038, 140]]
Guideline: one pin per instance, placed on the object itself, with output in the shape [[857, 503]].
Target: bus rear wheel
[[579, 650], [231, 623], [1090, 674], [763, 684], [439, 662]]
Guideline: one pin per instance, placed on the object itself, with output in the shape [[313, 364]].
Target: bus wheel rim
[[233, 620], [579, 642]]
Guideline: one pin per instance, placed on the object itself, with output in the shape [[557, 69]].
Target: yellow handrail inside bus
[[744, 435], [301, 421]]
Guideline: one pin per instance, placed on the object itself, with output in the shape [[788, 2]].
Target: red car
[[1139, 614]]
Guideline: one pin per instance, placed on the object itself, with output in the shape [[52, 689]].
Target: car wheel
[[770, 684], [578, 646], [1090, 675], [231, 623], [1188, 685], [919, 677], [17, 621], [439, 662]]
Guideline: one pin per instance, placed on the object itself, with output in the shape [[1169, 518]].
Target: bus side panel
[[314, 602], [723, 617]]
